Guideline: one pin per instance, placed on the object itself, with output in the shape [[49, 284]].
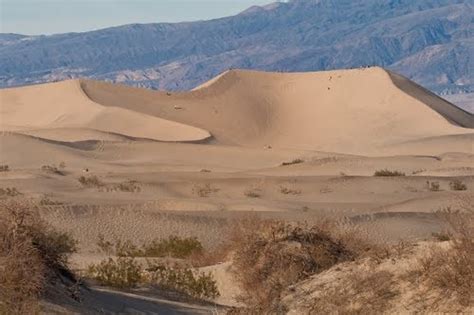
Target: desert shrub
[[46, 201], [90, 181], [441, 237], [173, 246], [271, 255], [288, 191], [9, 192], [31, 254], [387, 172], [361, 293], [295, 161], [123, 272], [62, 164], [452, 270], [4, 168], [52, 170], [253, 193], [457, 185], [130, 186], [205, 190], [433, 186], [184, 280]]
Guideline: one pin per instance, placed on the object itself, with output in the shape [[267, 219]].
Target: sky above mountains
[[34, 17]]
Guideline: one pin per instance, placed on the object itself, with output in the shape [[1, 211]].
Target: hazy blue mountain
[[430, 41]]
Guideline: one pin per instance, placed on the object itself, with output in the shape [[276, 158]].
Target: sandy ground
[[205, 158]]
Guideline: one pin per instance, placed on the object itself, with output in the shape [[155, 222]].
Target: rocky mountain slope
[[429, 41]]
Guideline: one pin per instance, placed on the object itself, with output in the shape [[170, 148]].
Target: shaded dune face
[[363, 111]]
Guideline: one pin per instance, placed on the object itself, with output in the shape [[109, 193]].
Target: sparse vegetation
[[253, 193], [9, 192], [123, 272], [91, 181], [272, 255], [129, 186], [173, 246], [4, 168], [288, 191], [32, 253], [295, 161], [387, 172], [184, 280], [457, 185], [433, 186], [52, 170], [205, 190]]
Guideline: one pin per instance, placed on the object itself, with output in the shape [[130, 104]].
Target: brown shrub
[[271, 255], [452, 270], [387, 172], [457, 185], [30, 253], [90, 181]]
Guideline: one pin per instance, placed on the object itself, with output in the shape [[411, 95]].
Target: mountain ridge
[[428, 41]]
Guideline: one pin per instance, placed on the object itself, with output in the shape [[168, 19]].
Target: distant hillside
[[429, 41]]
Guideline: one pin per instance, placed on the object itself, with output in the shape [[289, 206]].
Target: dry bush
[[457, 185], [4, 168], [52, 169], [46, 201], [288, 191], [360, 293], [205, 190], [30, 253], [9, 192], [433, 186], [272, 255], [295, 161], [452, 270], [90, 181], [130, 186], [387, 172], [253, 193]]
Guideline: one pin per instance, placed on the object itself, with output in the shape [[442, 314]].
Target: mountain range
[[428, 41]]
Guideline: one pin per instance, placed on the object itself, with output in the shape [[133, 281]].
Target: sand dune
[[351, 111], [64, 105]]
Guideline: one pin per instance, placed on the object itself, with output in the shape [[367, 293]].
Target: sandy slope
[[64, 105], [352, 111]]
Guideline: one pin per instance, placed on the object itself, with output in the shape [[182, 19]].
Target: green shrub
[[122, 272], [195, 284], [386, 172]]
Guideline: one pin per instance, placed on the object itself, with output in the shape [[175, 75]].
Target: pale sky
[[33, 17]]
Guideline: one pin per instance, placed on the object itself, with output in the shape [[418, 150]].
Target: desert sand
[[197, 156]]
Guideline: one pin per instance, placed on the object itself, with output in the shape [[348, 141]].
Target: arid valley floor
[[285, 146]]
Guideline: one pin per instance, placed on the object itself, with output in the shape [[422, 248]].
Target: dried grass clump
[[30, 254], [205, 190], [90, 181], [387, 172], [272, 255], [366, 292], [457, 185], [9, 192], [52, 169], [452, 270], [295, 161]]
